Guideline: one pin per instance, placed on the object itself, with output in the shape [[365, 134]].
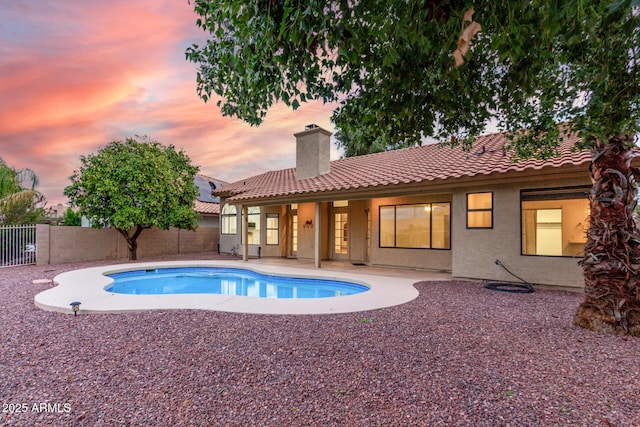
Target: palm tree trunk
[[611, 261]]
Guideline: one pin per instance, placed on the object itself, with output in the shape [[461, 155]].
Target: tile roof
[[410, 165], [207, 208]]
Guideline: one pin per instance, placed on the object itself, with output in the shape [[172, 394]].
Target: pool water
[[227, 281]]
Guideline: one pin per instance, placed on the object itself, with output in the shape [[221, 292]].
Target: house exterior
[[207, 205], [428, 207]]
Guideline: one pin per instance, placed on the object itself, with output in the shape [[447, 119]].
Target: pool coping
[[87, 286]]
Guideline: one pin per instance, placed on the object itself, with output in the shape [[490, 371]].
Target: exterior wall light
[[75, 306]]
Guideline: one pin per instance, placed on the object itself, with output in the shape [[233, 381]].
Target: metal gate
[[17, 245]]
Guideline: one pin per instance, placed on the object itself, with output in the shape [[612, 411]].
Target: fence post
[[43, 236]]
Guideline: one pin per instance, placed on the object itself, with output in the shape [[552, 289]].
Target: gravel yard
[[458, 355]]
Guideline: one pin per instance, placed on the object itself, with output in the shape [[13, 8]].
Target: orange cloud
[[77, 75]]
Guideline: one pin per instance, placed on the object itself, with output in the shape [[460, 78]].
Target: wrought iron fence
[[17, 245]]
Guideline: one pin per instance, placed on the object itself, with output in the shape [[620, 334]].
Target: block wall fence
[[60, 244]]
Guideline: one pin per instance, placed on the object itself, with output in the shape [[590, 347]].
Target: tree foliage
[[390, 65], [71, 218], [20, 202], [133, 185]]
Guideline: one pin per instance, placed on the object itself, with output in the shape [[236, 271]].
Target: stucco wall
[[209, 221], [476, 250], [230, 241], [59, 244], [306, 233]]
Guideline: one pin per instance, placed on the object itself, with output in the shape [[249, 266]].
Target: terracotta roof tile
[[207, 208], [409, 165]]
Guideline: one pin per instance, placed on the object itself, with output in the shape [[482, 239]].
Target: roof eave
[[418, 187]]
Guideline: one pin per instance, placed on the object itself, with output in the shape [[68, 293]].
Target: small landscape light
[[75, 306]]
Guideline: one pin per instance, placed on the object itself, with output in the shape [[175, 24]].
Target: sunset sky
[[76, 75]]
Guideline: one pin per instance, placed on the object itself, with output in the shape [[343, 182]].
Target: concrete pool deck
[[389, 287]]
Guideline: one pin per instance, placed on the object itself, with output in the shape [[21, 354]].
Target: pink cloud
[[77, 75]]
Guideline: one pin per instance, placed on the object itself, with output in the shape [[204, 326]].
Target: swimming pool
[[227, 281], [89, 286]]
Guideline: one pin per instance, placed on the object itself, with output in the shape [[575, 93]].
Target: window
[[229, 221], [273, 229], [479, 210], [340, 203], [253, 227], [294, 233], [421, 226], [441, 225], [413, 226], [555, 222], [340, 233]]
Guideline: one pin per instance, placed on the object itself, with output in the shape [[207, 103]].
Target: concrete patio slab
[[388, 287]]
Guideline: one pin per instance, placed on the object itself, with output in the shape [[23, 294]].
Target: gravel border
[[458, 355]]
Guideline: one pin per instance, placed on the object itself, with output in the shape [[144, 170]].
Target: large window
[[555, 222], [424, 226], [273, 229], [229, 221], [480, 210], [253, 228]]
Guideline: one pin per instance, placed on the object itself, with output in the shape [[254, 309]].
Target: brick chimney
[[312, 152]]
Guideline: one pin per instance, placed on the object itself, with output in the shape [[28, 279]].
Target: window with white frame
[[294, 228], [229, 219], [273, 229], [253, 226]]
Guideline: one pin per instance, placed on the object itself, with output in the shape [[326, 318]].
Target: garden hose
[[519, 288]]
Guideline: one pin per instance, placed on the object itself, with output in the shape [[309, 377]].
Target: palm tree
[[20, 202], [611, 261]]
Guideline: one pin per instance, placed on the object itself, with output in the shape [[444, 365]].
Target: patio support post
[[317, 236], [245, 235]]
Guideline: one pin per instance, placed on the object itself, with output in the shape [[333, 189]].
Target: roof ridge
[[210, 178]]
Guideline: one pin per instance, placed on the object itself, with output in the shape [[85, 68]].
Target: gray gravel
[[459, 355]]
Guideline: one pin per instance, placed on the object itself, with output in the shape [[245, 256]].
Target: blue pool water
[[227, 281]]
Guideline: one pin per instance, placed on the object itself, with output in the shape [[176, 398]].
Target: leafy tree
[[133, 185], [357, 143], [71, 218], [391, 66], [20, 202]]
